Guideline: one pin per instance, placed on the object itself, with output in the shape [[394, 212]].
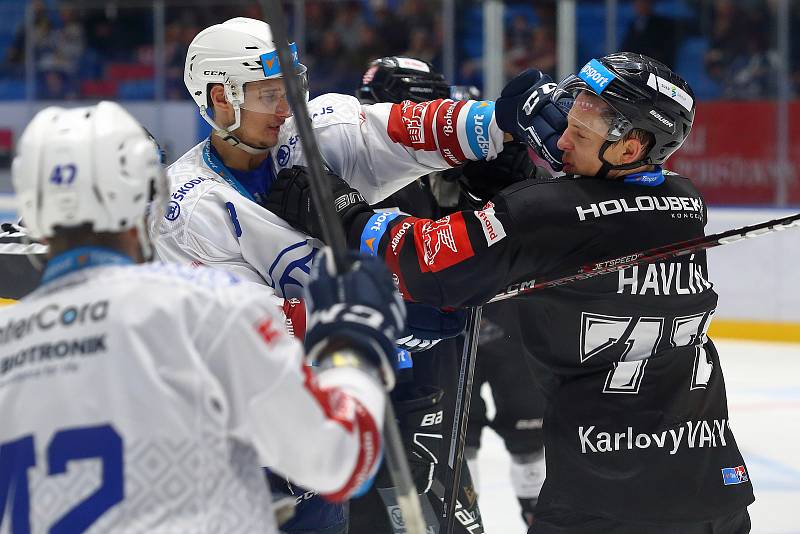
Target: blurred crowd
[[726, 48]]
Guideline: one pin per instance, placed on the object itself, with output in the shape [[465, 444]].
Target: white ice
[[763, 383]]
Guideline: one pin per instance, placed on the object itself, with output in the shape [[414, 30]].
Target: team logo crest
[[435, 235], [445, 243]]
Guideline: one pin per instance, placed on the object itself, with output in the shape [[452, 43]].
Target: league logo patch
[[445, 243], [734, 475], [173, 211], [283, 155]]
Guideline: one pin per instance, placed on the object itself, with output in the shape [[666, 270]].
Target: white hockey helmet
[[238, 51], [93, 164]]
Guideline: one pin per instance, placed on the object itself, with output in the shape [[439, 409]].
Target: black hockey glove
[[358, 310], [283, 497], [481, 180], [290, 199], [524, 110], [419, 416], [427, 325]]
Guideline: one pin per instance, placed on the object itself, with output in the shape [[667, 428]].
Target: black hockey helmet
[[641, 93], [394, 79]]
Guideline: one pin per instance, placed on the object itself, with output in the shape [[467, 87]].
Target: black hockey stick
[[458, 436], [663, 252], [333, 235]]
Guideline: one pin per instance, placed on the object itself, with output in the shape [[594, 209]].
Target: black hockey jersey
[[19, 274], [637, 422]]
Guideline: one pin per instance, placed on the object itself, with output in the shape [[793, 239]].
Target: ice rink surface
[[763, 382]]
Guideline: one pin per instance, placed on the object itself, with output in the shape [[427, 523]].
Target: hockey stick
[[663, 252], [458, 435], [333, 235]]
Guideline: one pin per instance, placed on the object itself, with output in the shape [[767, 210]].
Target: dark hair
[[647, 139]]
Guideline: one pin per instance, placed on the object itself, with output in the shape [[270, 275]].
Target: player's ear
[[217, 98], [632, 150]]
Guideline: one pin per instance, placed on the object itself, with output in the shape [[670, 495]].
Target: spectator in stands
[[393, 30], [753, 74], [175, 49], [420, 46], [349, 25], [330, 68], [42, 28], [725, 43], [537, 50], [651, 34]]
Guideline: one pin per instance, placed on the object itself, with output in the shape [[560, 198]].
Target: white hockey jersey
[[377, 149], [143, 399]]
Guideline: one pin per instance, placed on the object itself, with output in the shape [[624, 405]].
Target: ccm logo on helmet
[[214, 73], [596, 76]]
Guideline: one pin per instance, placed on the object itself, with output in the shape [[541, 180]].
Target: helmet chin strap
[[225, 133], [228, 137], [606, 166]]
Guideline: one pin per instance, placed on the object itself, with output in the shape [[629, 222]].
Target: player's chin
[[269, 138]]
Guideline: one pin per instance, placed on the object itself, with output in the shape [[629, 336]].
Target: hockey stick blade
[[663, 252], [333, 235]]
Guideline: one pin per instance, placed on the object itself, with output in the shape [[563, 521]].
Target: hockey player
[[144, 398], [216, 213], [500, 356], [19, 259], [636, 427], [217, 189], [424, 397]]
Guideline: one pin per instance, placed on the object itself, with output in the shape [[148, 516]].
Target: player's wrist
[[354, 228], [345, 351]]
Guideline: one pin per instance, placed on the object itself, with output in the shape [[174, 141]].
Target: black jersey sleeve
[[461, 259], [530, 229]]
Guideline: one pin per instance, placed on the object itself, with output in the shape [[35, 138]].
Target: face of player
[[264, 111], [582, 140]]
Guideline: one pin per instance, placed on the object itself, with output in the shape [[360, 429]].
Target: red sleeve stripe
[[446, 128], [431, 109], [335, 404], [340, 407], [411, 124], [369, 441], [392, 254]]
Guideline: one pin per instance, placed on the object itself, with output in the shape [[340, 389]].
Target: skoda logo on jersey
[[173, 211], [283, 155], [596, 76], [53, 315]]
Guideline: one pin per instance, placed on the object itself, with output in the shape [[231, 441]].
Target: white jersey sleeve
[[380, 148], [147, 399], [321, 431]]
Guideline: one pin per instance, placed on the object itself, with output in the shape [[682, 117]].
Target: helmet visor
[[584, 107], [269, 96]]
